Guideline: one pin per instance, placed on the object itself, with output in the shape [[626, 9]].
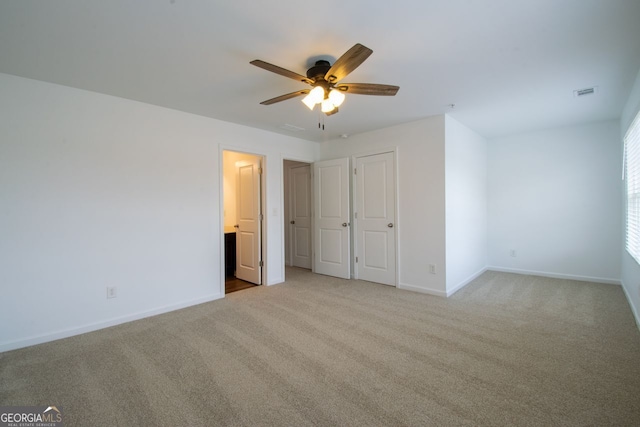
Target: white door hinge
[[356, 259]]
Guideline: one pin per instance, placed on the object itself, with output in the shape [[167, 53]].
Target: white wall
[[466, 204], [630, 271], [421, 195], [99, 191], [554, 198]]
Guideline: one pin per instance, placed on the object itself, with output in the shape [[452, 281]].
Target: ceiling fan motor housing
[[318, 71]]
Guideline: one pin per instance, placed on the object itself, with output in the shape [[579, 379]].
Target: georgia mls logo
[[30, 416], [56, 411]]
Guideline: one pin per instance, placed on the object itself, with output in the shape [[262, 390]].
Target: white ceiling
[[507, 65]]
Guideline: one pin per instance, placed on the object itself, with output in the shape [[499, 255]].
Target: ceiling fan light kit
[[327, 106], [324, 78], [314, 97], [329, 102]]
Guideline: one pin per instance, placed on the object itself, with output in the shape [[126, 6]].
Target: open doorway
[[243, 220], [298, 224]]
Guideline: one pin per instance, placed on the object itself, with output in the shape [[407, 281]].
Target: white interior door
[[300, 223], [331, 225], [248, 228], [375, 219]]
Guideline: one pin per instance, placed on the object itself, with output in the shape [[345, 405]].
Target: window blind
[[632, 175]]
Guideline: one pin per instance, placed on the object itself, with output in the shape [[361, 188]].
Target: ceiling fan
[[324, 78]]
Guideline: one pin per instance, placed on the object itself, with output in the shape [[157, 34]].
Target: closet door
[[300, 179], [331, 225], [375, 222]]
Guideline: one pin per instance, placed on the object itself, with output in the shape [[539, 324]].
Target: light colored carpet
[[505, 350]]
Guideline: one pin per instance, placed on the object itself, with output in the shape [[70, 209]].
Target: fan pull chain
[[320, 122]]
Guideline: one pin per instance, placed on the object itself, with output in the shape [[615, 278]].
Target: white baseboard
[[438, 293], [275, 281], [556, 275], [40, 339], [465, 282], [422, 290], [634, 309]]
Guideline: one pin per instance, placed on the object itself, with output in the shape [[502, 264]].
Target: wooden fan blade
[[368, 89], [347, 63], [285, 97], [280, 70]]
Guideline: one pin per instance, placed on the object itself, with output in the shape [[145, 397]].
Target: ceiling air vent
[[291, 128], [584, 92]]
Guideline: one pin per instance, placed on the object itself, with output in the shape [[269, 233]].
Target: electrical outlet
[[111, 292], [432, 268], [512, 252]]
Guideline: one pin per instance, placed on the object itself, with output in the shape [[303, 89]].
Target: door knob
[[344, 224], [390, 225], [292, 222], [236, 226]]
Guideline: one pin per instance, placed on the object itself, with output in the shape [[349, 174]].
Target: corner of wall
[[465, 204]]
